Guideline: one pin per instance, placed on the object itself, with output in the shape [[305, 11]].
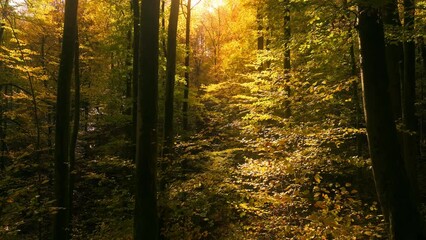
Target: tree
[[394, 57], [146, 217], [287, 60], [408, 95], [392, 183], [62, 138], [171, 72], [135, 77], [260, 34], [3, 125], [187, 70], [74, 133], [4, 13]]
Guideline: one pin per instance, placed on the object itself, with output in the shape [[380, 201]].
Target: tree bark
[[146, 216], [163, 27], [62, 138], [422, 128], [260, 35], [187, 70], [394, 58], [3, 126], [409, 119], [171, 72], [75, 129], [135, 77], [287, 61], [129, 74], [4, 14], [392, 184]]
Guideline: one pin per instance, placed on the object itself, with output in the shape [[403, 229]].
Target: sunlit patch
[[208, 5], [215, 4]]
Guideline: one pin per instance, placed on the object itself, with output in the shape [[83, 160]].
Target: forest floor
[[225, 184], [228, 183]]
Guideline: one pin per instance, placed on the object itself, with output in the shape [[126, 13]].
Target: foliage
[[214, 192], [245, 170], [109, 203]]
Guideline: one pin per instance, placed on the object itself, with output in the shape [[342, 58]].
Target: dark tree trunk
[[3, 126], [409, 119], [135, 78], [187, 70], [146, 216], [392, 183], [3, 104], [163, 27], [287, 61], [128, 66], [422, 128], [267, 45], [260, 35], [171, 72], [394, 58], [62, 138], [75, 128], [4, 14]]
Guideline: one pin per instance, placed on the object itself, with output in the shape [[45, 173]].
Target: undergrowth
[[229, 187]]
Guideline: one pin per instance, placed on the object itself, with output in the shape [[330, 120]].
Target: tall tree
[[394, 57], [128, 63], [135, 75], [75, 128], [260, 34], [187, 70], [4, 13], [262, 44], [392, 184], [62, 138], [3, 123], [146, 217], [408, 95], [163, 27], [287, 55], [171, 72]]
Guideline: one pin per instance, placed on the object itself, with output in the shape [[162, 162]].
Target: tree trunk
[[75, 128], [409, 119], [287, 61], [187, 70], [128, 66], [392, 183], [4, 14], [260, 35], [163, 27], [146, 217], [260, 38], [171, 72], [422, 96], [394, 58], [3, 126], [135, 78], [62, 138]]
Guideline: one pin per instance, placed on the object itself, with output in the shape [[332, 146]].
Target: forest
[[212, 119]]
